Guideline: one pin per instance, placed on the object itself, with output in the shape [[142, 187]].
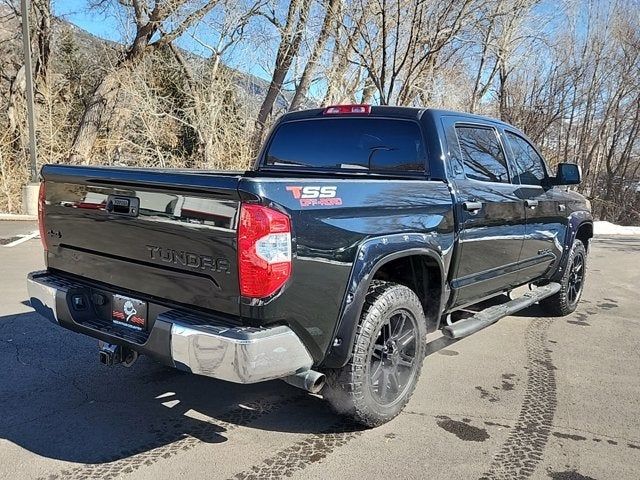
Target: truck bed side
[[180, 247], [328, 237]]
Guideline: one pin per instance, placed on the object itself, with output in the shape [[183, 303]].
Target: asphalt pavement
[[530, 397]]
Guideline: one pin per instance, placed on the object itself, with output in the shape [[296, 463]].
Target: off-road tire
[[350, 389], [561, 303]]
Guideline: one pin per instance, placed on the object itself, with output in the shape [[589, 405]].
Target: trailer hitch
[[111, 354]]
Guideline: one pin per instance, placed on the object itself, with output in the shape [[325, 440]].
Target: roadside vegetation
[[197, 83]]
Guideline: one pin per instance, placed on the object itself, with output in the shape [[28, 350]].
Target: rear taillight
[[42, 195], [347, 109], [264, 250]]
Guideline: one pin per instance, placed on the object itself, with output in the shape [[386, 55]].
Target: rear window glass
[[482, 154], [349, 143]]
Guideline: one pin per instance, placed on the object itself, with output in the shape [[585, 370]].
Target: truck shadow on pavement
[[58, 401]]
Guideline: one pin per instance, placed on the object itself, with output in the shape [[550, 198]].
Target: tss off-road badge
[[310, 195]]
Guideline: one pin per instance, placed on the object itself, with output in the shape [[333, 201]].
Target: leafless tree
[[565, 71], [290, 32], [157, 25], [400, 38], [331, 12]]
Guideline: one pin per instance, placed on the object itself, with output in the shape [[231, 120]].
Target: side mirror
[[568, 174]]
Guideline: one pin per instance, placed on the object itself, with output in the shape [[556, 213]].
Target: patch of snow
[[608, 228]]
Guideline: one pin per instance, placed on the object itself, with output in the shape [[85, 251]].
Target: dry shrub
[[223, 122], [14, 175], [169, 120]]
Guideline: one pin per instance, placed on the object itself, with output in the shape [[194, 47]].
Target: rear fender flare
[[373, 254]]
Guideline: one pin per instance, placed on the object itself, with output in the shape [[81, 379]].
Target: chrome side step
[[489, 316]]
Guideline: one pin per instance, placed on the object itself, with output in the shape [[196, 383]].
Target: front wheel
[[571, 285], [387, 356]]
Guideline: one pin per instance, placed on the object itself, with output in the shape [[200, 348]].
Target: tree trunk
[[336, 88], [40, 32], [102, 101], [94, 116], [478, 90], [16, 91], [369, 90], [310, 67], [503, 93], [288, 49], [43, 40]]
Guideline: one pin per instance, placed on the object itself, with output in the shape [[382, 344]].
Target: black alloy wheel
[[387, 356], [392, 362], [571, 284], [576, 278]]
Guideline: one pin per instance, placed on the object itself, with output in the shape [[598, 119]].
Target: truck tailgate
[[164, 234]]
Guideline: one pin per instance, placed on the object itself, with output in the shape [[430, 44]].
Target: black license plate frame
[[129, 312]]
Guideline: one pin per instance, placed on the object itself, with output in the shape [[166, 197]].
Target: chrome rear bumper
[[180, 339], [238, 354]]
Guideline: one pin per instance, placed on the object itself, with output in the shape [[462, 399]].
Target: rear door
[[491, 215], [545, 217]]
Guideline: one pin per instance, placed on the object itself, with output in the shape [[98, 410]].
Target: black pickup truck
[[360, 230]]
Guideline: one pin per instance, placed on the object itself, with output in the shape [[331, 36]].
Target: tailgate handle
[[120, 205]]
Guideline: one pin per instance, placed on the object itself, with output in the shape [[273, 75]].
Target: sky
[[108, 26], [256, 61], [76, 12]]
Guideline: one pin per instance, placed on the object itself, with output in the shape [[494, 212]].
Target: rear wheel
[[572, 284], [387, 357]]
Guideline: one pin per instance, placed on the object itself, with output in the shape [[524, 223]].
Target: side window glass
[[482, 155], [529, 167]]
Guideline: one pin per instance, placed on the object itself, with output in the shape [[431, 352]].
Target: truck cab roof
[[413, 113]]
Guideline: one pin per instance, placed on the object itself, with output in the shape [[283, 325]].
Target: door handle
[[472, 207], [531, 203]]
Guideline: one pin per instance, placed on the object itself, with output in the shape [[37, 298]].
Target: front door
[[491, 215], [546, 222]]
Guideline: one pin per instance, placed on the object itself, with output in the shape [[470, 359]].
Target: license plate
[[129, 312]]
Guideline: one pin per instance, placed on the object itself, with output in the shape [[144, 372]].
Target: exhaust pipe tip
[[129, 357], [316, 382], [309, 380]]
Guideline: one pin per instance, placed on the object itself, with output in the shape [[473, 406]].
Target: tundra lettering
[[188, 259]]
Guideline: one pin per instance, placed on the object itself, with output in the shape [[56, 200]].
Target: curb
[[17, 217]]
